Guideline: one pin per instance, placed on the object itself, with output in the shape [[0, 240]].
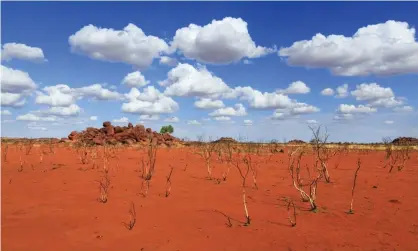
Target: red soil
[[53, 206]]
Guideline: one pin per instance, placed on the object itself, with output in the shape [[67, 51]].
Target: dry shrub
[[291, 216], [206, 150], [20, 168], [132, 217], [83, 150], [29, 145], [5, 151], [243, 171], [294, 162], [322, 152], [168, 182], [148, 166], [354, 186], [397, 157], [104, 184]]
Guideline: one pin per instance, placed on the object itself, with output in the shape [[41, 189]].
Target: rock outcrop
[[405, 141], [130, 134]]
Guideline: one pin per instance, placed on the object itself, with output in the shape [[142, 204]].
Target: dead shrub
[[354, 186], [243, 171], [168, 182], [148, 166], [291, 216], [132, 217], [322, 152], [104, 184]]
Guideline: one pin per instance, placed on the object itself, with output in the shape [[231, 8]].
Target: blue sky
[[255, 70]]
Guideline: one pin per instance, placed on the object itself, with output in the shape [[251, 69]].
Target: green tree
[[167, 129]]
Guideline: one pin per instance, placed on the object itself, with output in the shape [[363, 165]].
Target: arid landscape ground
[[52, 201]]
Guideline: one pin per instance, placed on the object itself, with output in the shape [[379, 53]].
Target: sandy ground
[[53, 205]]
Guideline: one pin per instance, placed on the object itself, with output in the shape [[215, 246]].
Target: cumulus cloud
[[342, 91], [150, 101], [172, 120], [389, 122], [164, 60], [376, 95], [327, 92], [297, 87], [57, 95], [380, 49], [12, 99], [34, 117], [238, 110], [206, 103], [311, 121], [259, 100], [130, 45], [343, 117], [135, 79], [248, 122], [22, 51], [222, 118], [344, 108], [302, 108], [38, 128], [15, 81], [72, 110], [220, 42], [405, 108], [93, 118], [121, 120], [149, 117], [186, 80], [193, 122], [5, 112], [96, 91]]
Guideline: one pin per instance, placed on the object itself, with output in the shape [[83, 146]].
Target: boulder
[[106, 123], [130, 125], [110, 131]]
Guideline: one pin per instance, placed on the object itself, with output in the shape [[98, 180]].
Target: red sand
[[54, 206]]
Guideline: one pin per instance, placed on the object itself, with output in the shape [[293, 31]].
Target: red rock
[[118, 129], [106, 123], [110, 131], [99, 141], [130, 125]]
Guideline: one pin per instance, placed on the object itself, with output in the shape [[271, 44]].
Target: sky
[[258, 71]]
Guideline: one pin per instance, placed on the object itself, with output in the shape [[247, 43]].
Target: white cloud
[[311, 121], [5, 112], [57, 95], [223, 118], [172, 120], [38, 128], [246, 61], [12, 99], [381, 49], [22, 51], [206, 103], [15, 81], [193, 122], [93, 118], [248, 122], [327, 92], [130, 45], [168, 61], [343, 116], [72, 110], [389, 122], [405, 108], [96, 91], [344, 108], [376, 95], [342, 91], [371, 91], [33, 117], [302, 108], [239, 110], [121, 120], [150, 101], [149, 117], [220, 42], [297, 87], [135, 79], [185, 80], [259, 100]]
